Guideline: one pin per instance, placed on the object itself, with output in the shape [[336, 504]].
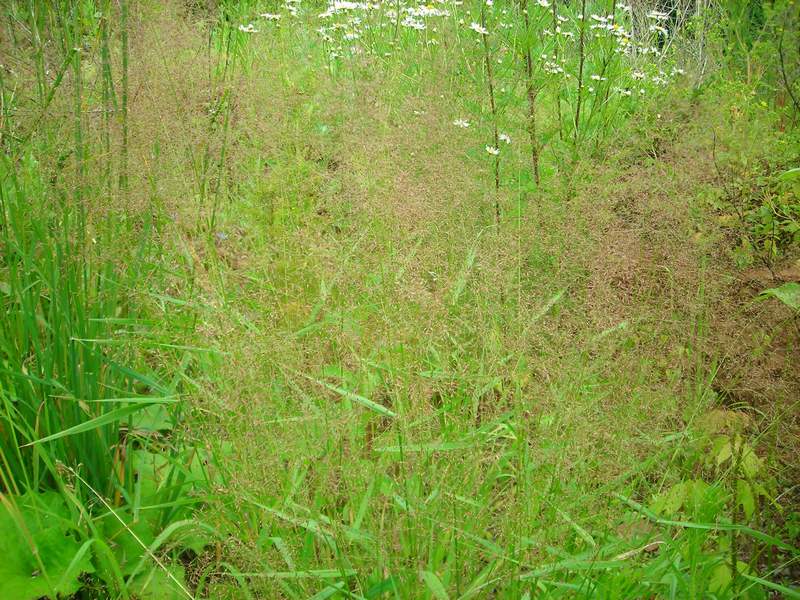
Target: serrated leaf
[[724, 452], [746, 499], [788, 293], [671, 501]]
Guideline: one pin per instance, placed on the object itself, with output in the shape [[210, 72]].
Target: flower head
[[504, 137], [463, 123], [492, 150], [477, 28]]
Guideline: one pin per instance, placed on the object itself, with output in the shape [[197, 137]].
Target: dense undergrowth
[[355, 300]]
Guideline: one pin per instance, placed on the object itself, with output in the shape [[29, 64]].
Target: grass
[[276, 328]]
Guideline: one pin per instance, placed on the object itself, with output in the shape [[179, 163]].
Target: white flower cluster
[[340, 6], [550, 66], [423, 11], [412, 23]]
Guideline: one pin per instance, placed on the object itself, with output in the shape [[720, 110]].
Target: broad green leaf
[[434, 585], [120, 536], [721, 578], [790, 175], [788, 293], [154, 417], [157, 584], [40, 527]]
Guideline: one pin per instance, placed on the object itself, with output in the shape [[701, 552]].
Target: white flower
[[463, 123], [504, 138], [249, 28], [489, 2], [492, 150], [543, 3], [478, 29], [413, 23], [270, 16]]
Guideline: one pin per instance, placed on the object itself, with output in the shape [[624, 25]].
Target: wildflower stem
[[396, 20], [493, 107], [607, 58], [555, 56], [581, 58]]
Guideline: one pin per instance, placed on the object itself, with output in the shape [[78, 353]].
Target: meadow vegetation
[[454, 300]]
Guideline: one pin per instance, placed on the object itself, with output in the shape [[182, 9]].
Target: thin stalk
[[222, 155], [78, 124], [581, 59], [108, 92], [493, 106], [123, 172], [555, 54], [607, 58], [786, 83], [396, 22], [734, 547], [41, 80], [532, 93]]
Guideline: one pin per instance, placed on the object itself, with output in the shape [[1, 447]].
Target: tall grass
[[63, 315], [83, 434], [401, 429]]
